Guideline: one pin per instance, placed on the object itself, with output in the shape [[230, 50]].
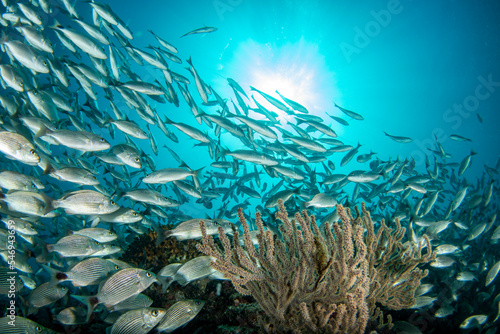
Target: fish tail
[[168, 120], [4, 37], [56, 25], [25, 306], [56, 276], [197, 172], [164, 282], [50, 247], [162, 236], [90, 301]]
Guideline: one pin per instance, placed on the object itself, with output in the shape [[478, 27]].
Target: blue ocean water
[[415, 69]]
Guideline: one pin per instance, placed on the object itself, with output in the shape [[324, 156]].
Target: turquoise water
[[403, 65]]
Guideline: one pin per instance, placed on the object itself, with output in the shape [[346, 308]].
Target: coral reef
[[321, 281], [144, 253]]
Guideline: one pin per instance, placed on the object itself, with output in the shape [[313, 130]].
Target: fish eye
[[137, 159], [148, 274], [110, 233], [102, 140], [96, 243], [44, 63], [198, 303], [112, 203], [155, 313], [117, 268], [32, 152], [38, 329], [135, 214], [21, 84]]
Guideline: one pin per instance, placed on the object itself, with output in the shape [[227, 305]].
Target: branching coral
[[310, 281]]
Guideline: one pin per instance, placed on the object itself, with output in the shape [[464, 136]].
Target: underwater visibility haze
[[236, 166]]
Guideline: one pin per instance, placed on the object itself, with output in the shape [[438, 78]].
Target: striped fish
[[45, 294], [20, 325], [86, 202], [166, 275], [133, 303], [179, 314], [5, 275], [138, 321], [75, 245], [194, 269], [492, 273], [118, 287], [87, 272], [74, 315]]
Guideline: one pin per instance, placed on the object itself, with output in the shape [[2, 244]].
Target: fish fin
[[165, 283], [56, 25], [56, 276], [89, 301], [50, 247], [162, 234], [95, 221]]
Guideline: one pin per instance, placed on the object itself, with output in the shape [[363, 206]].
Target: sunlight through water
[[297, 71]]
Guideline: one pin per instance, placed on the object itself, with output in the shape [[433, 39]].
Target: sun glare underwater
[[235, 166]]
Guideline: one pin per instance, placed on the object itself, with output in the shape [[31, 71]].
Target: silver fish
[[492, 273], [120, 286], [169, 174], [194, 269], [190, 229], [321, 200], [99, 234], [11, 77], [13, 180], [179, 314], [399, 139], [85, 43], [74, 315], [166, 275], [27, 56], [203, 30], [86, 202], [121, 216], [17, 147], [75, 175], [19, 325], [80, 140], [28, 202], [151, 196], [87, 272], [75, 245], [350, 113], [133, 303], [44, 295], [131, 129], [138, 321]]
